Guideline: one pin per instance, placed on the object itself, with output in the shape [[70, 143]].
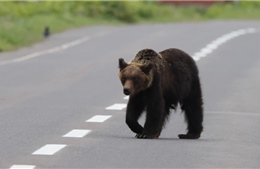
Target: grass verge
[[22, 23]]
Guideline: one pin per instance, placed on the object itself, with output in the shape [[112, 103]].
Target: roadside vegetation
[[22, 23]]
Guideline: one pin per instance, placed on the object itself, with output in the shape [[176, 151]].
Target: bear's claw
[[140, 136], [144, 136]]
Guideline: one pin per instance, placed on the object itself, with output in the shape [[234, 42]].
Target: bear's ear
[[122, 64], [146, 68]]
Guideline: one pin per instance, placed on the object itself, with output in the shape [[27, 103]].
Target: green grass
[[243, 10], [15, 33], [22, 23]]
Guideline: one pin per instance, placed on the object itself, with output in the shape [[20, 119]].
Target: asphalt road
[[45, 95]]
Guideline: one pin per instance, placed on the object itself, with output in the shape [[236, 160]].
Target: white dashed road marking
[[221, 40], [47, 51], [54, 49], [99, 118], [77, 133], [22, 167], [49, 149], [117, 106]]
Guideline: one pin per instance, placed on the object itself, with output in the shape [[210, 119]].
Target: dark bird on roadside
[[46, 32]]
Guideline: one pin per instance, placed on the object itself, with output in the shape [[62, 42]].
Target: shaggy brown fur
[[157, 82]]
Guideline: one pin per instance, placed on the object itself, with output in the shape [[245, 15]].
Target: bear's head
[[135, 77]]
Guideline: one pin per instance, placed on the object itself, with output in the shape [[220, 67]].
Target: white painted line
[[51, 50], [49, 149], [99, 118], [47, 51], [221, 40], [212, 46], [126, 97], [54, 49], [77, 133], [22, 167], [117, 106]]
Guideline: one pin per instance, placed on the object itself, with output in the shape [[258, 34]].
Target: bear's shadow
[[159, 139]]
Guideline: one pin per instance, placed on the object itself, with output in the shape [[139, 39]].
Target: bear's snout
[[128, 87], [127, 91]]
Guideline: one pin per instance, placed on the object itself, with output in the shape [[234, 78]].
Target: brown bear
[[156, 83]]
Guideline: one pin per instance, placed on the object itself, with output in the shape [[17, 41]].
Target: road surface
[[51, 91]]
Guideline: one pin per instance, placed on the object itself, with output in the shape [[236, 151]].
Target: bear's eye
[[136, 79], [123, 79]]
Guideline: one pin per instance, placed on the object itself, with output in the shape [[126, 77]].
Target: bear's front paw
[[189, 136], [147, 136]]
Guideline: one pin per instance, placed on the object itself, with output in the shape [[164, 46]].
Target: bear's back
[[179, 61], [147, 56]]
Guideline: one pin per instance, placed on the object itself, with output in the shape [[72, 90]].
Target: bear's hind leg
[[194, 117]]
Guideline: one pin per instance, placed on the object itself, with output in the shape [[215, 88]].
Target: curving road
[[62, 106]]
